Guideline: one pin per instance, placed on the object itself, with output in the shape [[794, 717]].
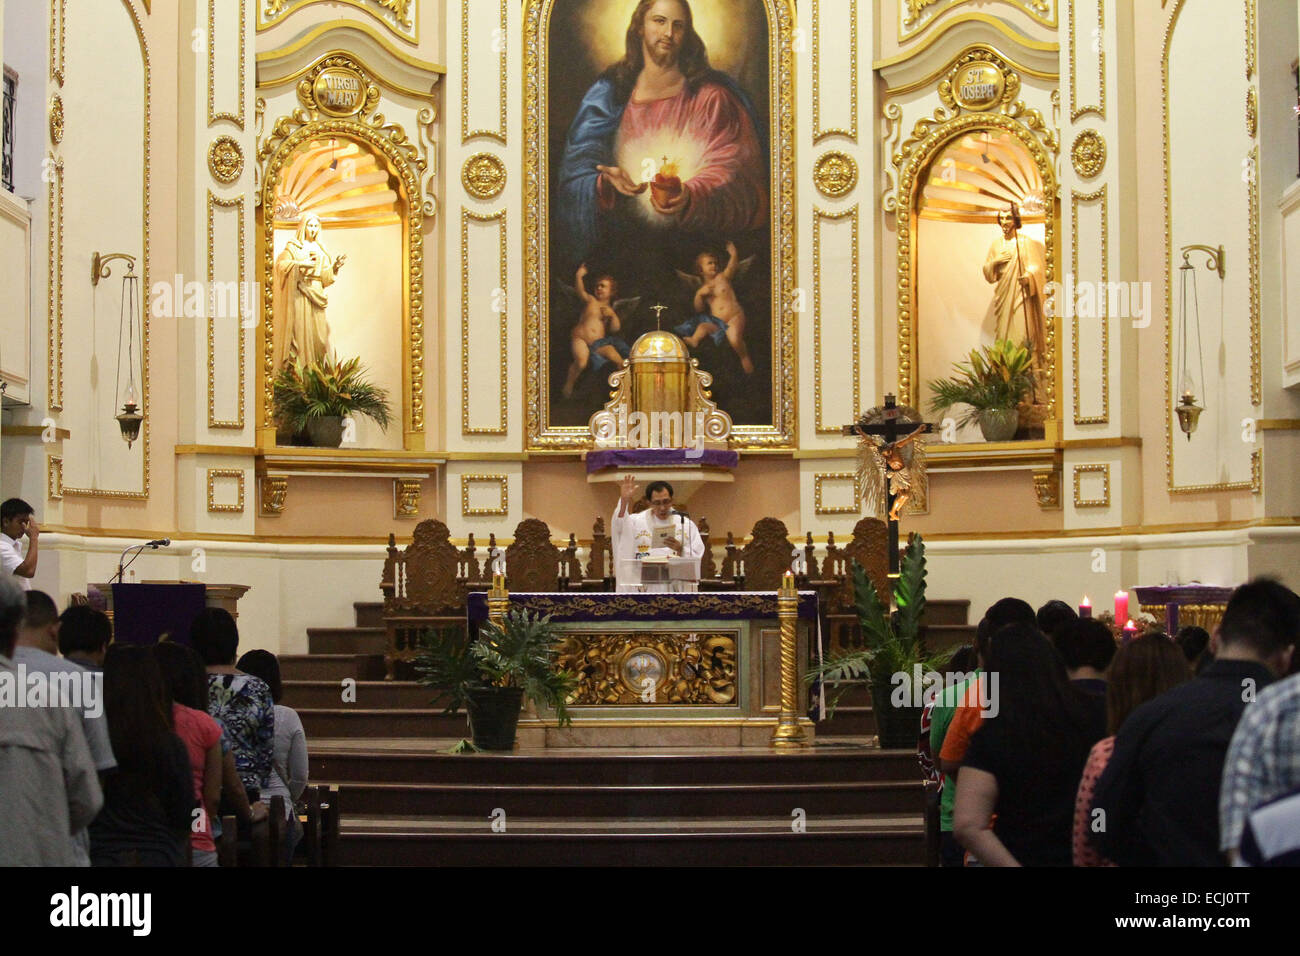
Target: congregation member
[[1160, 791], [49, 790], [240, 703], [149, 803], [964, 662], [289, 757], [1054, 616], [84, 636], [17, 518], [1022, 767], [1263, 764], [37, 651], [949, 736], [1195, 644], [183, 673], [1142, 669]]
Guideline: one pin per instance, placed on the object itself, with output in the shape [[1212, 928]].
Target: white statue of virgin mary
[[303, 271]]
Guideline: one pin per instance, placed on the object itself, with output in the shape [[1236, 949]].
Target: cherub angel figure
[[719, 313], [894, 465], [594, 340]]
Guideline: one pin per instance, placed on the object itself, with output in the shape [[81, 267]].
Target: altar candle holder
[[1085, 608], [788, 733]]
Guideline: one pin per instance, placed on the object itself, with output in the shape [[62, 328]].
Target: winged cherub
[[594, 340], [718, 311]]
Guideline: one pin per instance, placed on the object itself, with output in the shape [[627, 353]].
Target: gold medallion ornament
[[1088, 153], [977, 83], [835, 174], [225, 160], [483, 175], [56, 120], [336, 87]]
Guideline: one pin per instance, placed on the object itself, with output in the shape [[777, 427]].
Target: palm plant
[[330, 388], [998, 376]]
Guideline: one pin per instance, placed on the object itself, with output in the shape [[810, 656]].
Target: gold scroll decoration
[[658, 668]]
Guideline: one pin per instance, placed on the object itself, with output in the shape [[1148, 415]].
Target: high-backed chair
[[423, 587], [767, 556], [532, 561], [870, 548]]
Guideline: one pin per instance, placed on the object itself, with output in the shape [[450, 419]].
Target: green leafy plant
[[892, 642], [325, 389], [522, 653], [996, 376]]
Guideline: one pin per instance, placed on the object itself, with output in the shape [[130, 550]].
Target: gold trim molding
[[54, 284], [399, 17], [58, 40], [500, 511], [225, 160], [781, 433], [213, 115], [1104, 500], [56, 119], [54, 477], [403, 156], [466, 134], [818, 218], [1075, 199], [237, 204], [1075, 110], [820, 508], [819, 134], [213, 475], [835, 174], [483, 175], [466, 216], [912, 11]]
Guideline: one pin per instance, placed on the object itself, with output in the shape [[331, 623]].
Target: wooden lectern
[[153, 607]]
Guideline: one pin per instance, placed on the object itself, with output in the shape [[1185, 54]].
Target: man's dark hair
[[265, 665], [1086, 643], [15, 508], [1003, 613], [83, 630], [1055, 615], [1262, 615], [692, 58], [183, 674], [658, 486], [1192, 641], [39, 610], [215, 636]]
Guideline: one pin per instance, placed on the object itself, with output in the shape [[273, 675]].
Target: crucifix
[[892, 468], [657, 310]]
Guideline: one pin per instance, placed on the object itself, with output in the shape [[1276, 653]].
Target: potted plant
[[492, 674], [315, 398], [995, 380], [893, 654]]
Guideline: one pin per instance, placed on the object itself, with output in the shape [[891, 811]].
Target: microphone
[[160, 543]]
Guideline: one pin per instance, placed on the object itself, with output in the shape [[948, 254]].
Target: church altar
[[680, 669]]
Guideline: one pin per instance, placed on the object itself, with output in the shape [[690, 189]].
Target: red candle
[[1085, 609], [1130, 630], [1121, 606]]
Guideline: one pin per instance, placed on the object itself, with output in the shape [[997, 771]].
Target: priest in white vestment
[[658, 530]]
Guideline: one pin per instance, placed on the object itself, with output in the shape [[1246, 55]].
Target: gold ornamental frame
[[541, 435], [929, 136], [389, 140]]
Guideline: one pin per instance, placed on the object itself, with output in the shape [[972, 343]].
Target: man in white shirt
[[16, 519], [659, 528]]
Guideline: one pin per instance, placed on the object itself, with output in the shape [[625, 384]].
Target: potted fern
[[315, 398], [893, 654], [992, 383], [492, 674]]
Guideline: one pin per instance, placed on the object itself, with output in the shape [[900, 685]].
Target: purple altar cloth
[[567, 606], [598, 459]]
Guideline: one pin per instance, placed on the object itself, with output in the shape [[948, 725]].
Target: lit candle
[[1130, 630], [1121, 606], [1085, 609]]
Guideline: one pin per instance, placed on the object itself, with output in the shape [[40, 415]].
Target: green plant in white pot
[[992, 383]]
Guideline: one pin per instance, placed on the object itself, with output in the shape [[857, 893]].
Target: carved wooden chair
[[423, 586], [767, 556], [870, 548], [533, 563]]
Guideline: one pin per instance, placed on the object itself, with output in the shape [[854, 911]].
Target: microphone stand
[[121, 568]]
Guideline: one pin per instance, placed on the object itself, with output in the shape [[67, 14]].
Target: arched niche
[[960, 173], [361, 177]]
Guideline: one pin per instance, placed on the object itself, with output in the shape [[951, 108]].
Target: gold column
[[498, 600], [788, 733]]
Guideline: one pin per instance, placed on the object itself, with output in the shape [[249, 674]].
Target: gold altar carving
[[913, 157], [398, 16], [406, 497], [1088, 153], [789, 733], [385, 139], [835, 174], [274, 491], [917, 16], [483, 176], [978, 84], [56, 119], [225, 160], [1047, 488], [651, 668], [54, 477]]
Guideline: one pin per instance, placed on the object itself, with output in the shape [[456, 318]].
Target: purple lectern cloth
[[143, 612], [658, 457]]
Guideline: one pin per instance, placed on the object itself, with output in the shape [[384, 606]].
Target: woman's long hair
[[138, 707], [1035, 698], [692, 58], [1143, 668], [183, 674]]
